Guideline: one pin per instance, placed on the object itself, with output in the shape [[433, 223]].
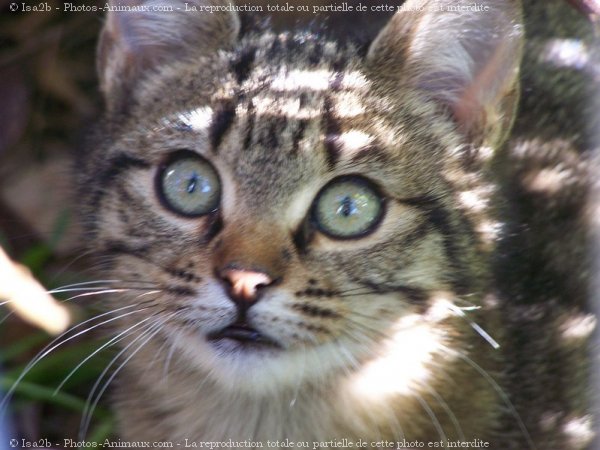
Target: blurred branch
[[25, 296]]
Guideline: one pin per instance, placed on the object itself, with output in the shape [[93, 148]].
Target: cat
[[341, 241]]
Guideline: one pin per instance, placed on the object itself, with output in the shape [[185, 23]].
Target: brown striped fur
[[377, 333]]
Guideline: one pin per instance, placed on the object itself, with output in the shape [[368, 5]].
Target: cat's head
[[292, 203]]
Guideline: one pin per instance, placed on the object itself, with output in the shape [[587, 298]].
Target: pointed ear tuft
[[464, 56], [144, 37]]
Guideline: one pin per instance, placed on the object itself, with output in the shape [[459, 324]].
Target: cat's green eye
[[189, 185], [348, 207]]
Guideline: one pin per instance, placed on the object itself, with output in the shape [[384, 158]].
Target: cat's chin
[[256, 367]]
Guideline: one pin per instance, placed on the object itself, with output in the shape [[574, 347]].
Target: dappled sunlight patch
[[578, 327], [404, 361], [579, 431], [571, 53]]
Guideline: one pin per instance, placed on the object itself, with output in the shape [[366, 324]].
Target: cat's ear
[[141, 35], [463, 55]]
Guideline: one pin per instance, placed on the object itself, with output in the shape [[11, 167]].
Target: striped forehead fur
[[279, 84]]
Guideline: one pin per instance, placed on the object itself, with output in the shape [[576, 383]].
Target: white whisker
[[112, 341], [55, 343], [503, 395], [460, 312], [98, 290], [91, 283], [434, 420], [447, 410], [84, 283], [169, 357], [157, 291], [150, 332]]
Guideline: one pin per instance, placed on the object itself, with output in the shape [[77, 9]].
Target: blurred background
[[48, 99]]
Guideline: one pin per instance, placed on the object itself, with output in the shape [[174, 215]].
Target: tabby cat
[[338, 240]]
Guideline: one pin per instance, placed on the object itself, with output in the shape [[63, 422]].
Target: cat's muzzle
[[245, 336]]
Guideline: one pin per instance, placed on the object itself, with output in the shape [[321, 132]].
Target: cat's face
[[290, 216]]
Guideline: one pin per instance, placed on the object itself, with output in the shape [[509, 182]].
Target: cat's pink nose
[[245, 284]]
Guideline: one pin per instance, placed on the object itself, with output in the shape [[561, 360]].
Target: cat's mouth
[[244, 335]]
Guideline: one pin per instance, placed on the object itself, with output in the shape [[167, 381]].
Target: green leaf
[[36, 257], [44, 394], [22, 346], [54, 367], [104, 430]]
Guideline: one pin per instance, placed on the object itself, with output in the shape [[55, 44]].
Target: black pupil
[[347, 207], [191, 187]]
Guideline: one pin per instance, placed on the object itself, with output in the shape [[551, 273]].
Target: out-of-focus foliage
[[48, 99]]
